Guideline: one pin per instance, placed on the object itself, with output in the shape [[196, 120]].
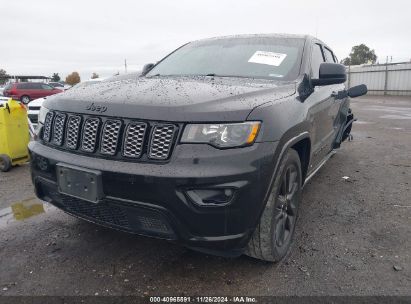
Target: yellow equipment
[[14, 134]]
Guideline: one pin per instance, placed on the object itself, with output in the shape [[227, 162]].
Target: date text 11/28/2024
[[205, 299]]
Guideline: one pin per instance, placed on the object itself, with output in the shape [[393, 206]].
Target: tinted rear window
[[46, 87], [37, 86], [56, 84], [24, 86]]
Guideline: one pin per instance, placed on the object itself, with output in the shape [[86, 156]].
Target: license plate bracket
[[82, 183]]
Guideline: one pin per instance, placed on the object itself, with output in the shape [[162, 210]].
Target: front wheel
[[25, 99], [5, 163], [273, 235]]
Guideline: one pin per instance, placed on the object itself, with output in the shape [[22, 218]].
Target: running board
[[329, 155]]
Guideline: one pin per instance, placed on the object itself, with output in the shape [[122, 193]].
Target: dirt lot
[[353, 235]]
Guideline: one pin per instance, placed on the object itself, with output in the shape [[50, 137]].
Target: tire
[[5, 163], [273, 235], [25, 99]]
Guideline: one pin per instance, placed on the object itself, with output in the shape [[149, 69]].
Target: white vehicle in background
[[3, 100], [35, 105], [34, 109]]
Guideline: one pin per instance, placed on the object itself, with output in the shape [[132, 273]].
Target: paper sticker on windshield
[[269, 58]]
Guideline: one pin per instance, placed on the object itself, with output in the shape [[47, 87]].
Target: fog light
[[228, 192], [42, 163], [216, 197]]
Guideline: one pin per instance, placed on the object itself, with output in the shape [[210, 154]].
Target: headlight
[[222, 135], [42, 114]]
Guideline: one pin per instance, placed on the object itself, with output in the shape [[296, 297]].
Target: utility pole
[[125, 65], [386, 77]]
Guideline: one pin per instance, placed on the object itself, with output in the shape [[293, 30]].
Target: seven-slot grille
[[134, 139], [110, 137], [89, 139], [161, 140], [58, 129], [72, 132], [48, 121]]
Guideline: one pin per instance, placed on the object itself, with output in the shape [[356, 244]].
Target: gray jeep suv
[[209, 147]]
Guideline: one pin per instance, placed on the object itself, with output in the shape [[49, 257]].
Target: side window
[[46, 87], [328, 55], [23, 86], [316, 59], [37, 86]]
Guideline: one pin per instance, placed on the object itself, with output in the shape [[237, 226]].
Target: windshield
[[255, 57]]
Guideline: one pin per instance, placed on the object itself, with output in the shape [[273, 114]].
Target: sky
[[48, 36]]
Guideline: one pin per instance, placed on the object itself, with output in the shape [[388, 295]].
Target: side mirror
[[147, 67], [358, 90], [330, 73]]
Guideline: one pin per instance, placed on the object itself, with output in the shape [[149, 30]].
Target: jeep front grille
[[134, 139], [58, 128], [109, 139], [48, 121], [73, 131], [161, 140], [89, 139], [113, 138]]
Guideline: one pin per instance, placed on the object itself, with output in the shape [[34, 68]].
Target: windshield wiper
[[228, 76]]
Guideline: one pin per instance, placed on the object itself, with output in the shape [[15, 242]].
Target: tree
[[55, 77], [94, 76], [360, 54], [73, 78], [3, 75], [346, 61]]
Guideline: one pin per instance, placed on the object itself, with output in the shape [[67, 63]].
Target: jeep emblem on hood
[[96, 108]]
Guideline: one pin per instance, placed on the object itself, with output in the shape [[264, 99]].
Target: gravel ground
[[353, 235]]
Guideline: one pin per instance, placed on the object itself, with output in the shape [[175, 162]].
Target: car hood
[[36, 102], [173, 99]]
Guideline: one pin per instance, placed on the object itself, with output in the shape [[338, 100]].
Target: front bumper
[[151, 199], [33, 116]]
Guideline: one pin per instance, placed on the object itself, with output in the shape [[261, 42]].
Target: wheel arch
[[287, 142], [303, 148], [294, 138]]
